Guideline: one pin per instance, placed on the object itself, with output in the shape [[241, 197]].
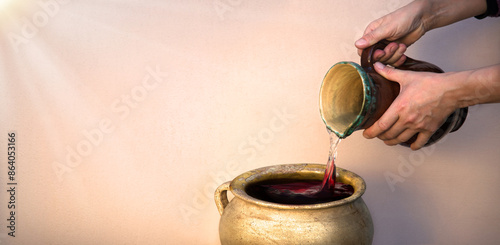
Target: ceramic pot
[[248, 220], [353, 97]]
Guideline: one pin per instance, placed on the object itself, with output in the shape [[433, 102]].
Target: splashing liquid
[[290, 191]]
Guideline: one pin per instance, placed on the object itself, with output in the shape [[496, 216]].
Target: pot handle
[[220, 196]]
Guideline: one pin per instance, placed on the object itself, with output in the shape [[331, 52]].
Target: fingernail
[[361, 42], [393, 49], [379, 66]]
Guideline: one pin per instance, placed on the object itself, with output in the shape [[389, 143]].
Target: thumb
[[388, 72], [370, 38]]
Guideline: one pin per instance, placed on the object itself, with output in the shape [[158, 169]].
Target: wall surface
[[127, 115]]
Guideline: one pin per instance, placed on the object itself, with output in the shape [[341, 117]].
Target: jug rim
[[367, 104], [238, 184]]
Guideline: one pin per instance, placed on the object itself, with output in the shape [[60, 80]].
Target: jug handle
[[221, 200], [367, 60]]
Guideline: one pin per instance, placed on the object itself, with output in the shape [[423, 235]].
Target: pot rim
[[239, 184]]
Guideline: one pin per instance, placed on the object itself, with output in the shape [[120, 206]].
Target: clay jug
[[353, 97], [249, 220]]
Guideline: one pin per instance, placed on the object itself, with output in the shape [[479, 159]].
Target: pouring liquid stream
[[289, 191], [330, 172]]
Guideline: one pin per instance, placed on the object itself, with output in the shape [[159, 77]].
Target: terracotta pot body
[[247, 220], [353, 96]]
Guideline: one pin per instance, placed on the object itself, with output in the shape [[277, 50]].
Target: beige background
[[128, 114]]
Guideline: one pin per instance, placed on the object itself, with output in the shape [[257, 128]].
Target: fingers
[[392, 132], [389, 51], [404, 136], [362, 43], [399, 62], [396, 134], [378, 54], [422, 139], [373, 34], [394, 53], [382, 125], [390, 73]]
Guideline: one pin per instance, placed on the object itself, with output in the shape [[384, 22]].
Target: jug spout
[[346, 98]]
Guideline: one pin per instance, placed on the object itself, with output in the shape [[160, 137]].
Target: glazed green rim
[[368, 99], [238, 184]]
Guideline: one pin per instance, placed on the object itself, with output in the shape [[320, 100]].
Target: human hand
[[422, 106], [402, 27]]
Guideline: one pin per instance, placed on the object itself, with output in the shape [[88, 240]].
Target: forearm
[[478, 86], [438, 13]]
